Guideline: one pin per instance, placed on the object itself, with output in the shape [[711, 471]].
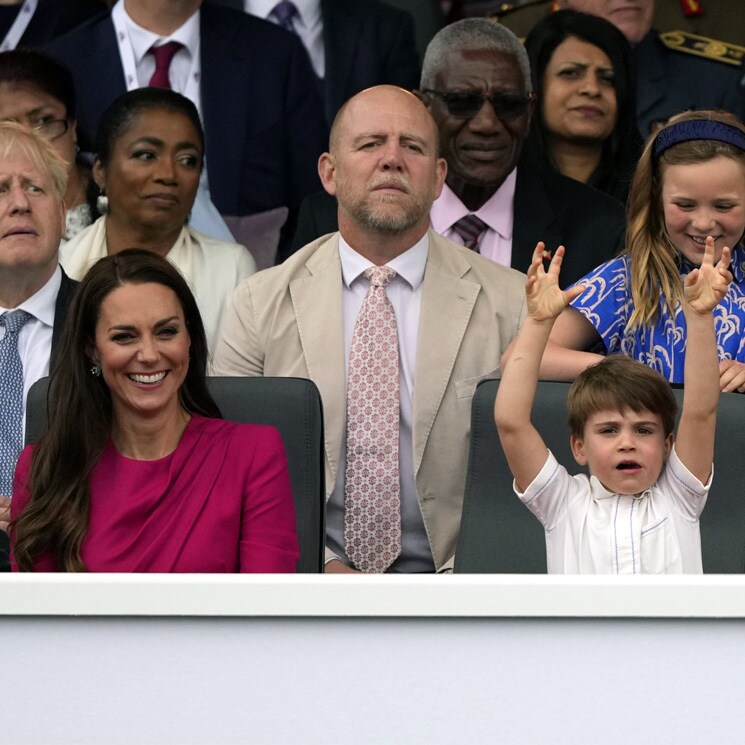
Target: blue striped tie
[[11, 396]]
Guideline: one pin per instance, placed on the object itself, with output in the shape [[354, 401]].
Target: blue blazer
[[262, 112], [669, 81], [56, 17], [365, 43]]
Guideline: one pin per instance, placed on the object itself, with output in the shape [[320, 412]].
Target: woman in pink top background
[[138, 472]]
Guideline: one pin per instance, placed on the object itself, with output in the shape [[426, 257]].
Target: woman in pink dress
[[138, 472]]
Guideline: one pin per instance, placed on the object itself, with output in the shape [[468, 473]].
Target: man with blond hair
[[34, 291]]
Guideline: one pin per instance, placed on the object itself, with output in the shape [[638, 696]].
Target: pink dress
[[221, 502]]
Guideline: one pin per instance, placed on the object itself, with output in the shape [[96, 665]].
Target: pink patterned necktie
[[372, 496], [163, 56]]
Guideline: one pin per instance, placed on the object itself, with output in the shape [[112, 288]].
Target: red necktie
[[163, 56]]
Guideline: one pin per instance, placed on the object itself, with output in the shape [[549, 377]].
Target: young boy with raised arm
[[638, 510]]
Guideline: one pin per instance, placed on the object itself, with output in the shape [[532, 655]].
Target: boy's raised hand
[[706, 286], [545, 299]]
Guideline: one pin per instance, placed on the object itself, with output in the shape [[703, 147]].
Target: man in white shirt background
[[251, 82]]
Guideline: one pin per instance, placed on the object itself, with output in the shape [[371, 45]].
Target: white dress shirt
[[184, 62], [497, 212], [35, 338], [212, 268], [405, 295], [590, 530], [308, 26]]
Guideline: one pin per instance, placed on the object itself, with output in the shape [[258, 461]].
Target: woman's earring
[[102, 202], [95, 370]]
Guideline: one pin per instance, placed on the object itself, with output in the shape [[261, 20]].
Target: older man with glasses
[[476, 83]]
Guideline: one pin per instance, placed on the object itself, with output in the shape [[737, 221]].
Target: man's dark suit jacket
[[549, 207], [260, 105], [365, 43], [64, 296], [56, 17]]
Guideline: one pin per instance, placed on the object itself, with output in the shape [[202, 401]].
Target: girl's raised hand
[[706, 286], [545, 299]]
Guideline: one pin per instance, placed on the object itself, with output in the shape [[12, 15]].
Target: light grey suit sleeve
[[239, 350]]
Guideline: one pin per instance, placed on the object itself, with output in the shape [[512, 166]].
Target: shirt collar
[[41, 305], [142, 39], [309, 11], [409, 265], [497, 212], [600, 492]]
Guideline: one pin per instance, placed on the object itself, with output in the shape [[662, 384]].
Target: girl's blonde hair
[[655, 269]]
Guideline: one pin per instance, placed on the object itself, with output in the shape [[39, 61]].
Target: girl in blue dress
[[689, 184]]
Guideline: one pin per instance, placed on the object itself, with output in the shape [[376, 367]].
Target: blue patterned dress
[[607, 305]]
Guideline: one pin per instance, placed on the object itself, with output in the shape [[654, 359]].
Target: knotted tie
[[285, 12], [372, 500], [470, 228], [163, 56], [11, 395]]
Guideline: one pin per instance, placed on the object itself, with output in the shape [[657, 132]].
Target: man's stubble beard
[[375, 218]]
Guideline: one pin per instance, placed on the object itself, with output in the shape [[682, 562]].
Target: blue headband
[[698, 129]]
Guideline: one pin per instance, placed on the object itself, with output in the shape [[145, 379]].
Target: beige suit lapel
[[317, 301], [447, 304]]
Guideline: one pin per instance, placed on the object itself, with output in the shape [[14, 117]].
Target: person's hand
[[545, 299], [4, 513], [706, 286], [338, 567], [731, 376]]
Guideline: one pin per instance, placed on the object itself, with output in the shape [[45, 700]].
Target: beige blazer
[[287, 321]]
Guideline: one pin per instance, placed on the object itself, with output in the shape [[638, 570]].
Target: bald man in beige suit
[[456, 313]]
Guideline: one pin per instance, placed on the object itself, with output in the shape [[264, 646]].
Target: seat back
[[293, 406], [499, 534]]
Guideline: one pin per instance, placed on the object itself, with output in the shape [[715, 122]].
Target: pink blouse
[[221, 502]]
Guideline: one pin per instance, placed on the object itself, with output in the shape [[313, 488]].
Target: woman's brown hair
[[80, 411]]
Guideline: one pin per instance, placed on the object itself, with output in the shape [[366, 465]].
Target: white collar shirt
[[308, 26], [180, 72], [35, 338], [497, 212], [405, 295], [590, 530], [184, 75]]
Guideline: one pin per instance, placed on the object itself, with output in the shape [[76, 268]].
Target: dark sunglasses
[[467, 104]]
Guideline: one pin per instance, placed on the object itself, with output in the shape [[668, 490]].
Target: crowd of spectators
[[402, 174]]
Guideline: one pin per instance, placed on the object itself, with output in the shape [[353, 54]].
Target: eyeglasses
[[467, 104], [52, 128]]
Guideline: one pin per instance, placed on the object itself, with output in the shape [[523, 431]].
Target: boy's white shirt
[[590, 530]]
